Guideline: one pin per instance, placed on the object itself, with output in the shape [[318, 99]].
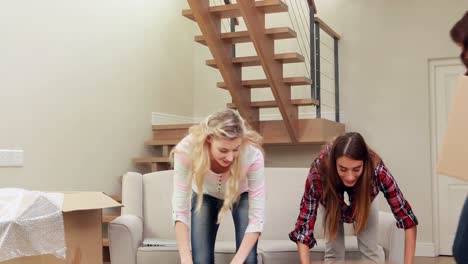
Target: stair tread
[[290, 57], [271, 104], [311, 131], [232, 10], [263, 83], [169, 142], [244, 36], [175, 126], [116, 197], [152, 160], [109, 218]]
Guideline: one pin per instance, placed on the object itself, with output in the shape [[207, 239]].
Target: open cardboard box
[[454, 155], [82, 218]]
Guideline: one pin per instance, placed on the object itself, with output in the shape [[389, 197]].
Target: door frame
[[433, 65]]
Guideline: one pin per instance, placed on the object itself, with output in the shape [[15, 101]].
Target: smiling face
[[349, 170], [224, 151]]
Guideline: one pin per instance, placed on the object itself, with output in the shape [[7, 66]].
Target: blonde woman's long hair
[[226, 124]]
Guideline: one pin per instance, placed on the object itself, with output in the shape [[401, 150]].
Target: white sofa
[[147, 213]]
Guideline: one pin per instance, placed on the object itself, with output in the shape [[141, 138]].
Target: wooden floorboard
[[418, 260]]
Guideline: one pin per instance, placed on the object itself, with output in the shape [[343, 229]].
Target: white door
[[452, 193]]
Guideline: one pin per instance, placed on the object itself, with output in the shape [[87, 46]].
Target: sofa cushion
[[157, 205], [284, 188], [151, 255], [351, 244], [285, 251], [224, 252]]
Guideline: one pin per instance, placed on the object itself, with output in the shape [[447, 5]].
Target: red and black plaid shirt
[[383, 181]]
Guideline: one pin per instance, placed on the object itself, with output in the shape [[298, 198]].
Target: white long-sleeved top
[[253, 182]]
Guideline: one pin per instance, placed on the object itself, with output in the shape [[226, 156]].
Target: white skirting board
[[424, 249]]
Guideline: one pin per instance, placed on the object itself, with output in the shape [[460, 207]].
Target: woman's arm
[[181, 200], [303, 233], [256, 212], [400, 207], [246, 246], [182, 236], [304, 253], [410, 244]]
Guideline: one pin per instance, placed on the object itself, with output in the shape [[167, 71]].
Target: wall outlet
[[11, 158]]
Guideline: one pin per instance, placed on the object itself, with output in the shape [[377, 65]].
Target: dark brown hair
[[459, 34], [353, 146]]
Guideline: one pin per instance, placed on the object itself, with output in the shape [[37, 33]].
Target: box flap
[[76, 201], [454, 153]]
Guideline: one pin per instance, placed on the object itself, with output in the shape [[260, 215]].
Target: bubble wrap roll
[[31, 223]]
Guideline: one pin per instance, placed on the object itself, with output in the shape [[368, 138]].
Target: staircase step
[[272, 104], [292, 57], [311, 131], [263, 83], [117, 198], [105, 242], [108, 218], [177, 126], [152, 160], [243, 36], [168, 142], [232, 10]]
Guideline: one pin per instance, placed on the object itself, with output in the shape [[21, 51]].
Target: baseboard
[[426, 249], [168, 119]]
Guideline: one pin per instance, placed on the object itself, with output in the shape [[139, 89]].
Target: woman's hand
[[182, 236], [186, 260], [246, 246]]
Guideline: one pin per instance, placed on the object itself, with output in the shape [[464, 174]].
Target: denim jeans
[[460, 244], [204, 227]]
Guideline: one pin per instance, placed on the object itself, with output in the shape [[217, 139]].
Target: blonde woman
[[218, 167]]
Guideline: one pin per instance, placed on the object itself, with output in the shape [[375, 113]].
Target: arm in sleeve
[[256, 190], [304, 229], [181, 188], [400, 207]]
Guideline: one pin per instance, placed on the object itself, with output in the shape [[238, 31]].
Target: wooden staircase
[[164, 137], [291, 129], [263, 39]]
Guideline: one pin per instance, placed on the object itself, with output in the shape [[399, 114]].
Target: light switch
[[11, 158]]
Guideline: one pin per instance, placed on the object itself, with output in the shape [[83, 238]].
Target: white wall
[[78, 83], [384, 53]]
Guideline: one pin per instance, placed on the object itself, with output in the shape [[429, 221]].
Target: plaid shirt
[[383, 181]]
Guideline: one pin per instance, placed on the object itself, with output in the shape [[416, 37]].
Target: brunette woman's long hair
[[353, 146], [459, 34]]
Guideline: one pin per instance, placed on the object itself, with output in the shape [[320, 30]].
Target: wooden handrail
[[311, 5], [327, 28]]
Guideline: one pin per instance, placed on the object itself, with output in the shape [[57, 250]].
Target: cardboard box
[[82, 218], [454, 155]]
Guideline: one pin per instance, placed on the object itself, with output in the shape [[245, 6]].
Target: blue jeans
[[460, 244], [204, 227]]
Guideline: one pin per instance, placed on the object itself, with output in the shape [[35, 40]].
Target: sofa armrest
[[132, 194], [391, 238], [125, 236]]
